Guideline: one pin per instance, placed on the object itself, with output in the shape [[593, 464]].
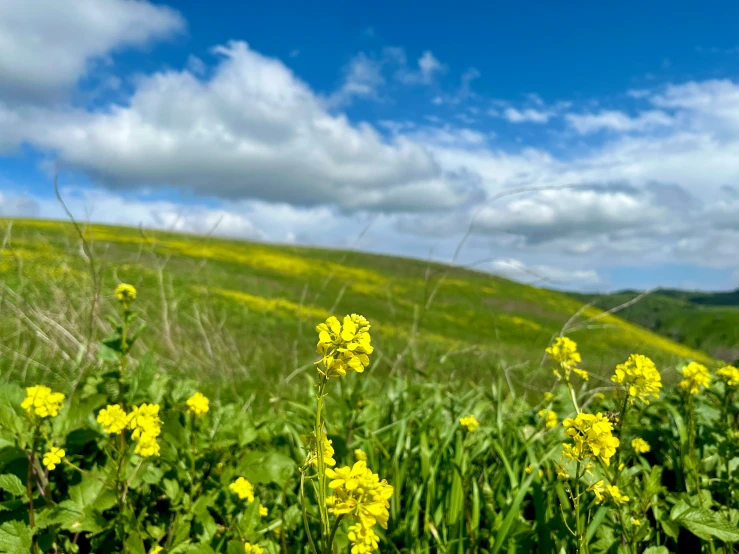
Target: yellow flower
[[640, 377], [530, 469], [263, 511], [635, 522], [42, 402], [125, 293], [53, 457], [344, 345], [695, 375], [640, 445], [328, 452], [360, 493], [363, 539], [144, 420], [615, 495], [113, 419], [156, 550], [562, 473], [730, 374], [147, 446], [549, 416], [599, 489], [243, 489], [548, 397], [360, 455], [252, 549], [469, 422], [564, 352], [197, 404], [592, 437]]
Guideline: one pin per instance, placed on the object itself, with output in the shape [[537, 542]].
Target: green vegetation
[[200, 408], [704, 321]]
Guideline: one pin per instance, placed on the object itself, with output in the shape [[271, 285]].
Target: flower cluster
[[326, 448], [198, 404], [469, 422], [564, 352], [695, 376], [592, 437], [145, 423], [113, 419], [359, 493], [243, 489], [640, 377], [550, 417], [730, 374], [640, 446], [125, 293], [604, 492], [344, 345], [252, 548], [40, 401], [53, 457]]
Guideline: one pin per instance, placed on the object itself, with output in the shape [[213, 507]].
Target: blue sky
[[590, 145]]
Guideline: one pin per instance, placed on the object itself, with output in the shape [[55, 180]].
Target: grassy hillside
[[705, 321], [253, 307]]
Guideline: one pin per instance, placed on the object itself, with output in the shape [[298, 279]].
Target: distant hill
[[259, 303], [708, 321]]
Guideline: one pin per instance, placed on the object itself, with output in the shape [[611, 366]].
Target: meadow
[[172, 393]]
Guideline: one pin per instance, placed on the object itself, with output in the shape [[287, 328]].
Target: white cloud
[[363, 78], [428, 69], [46, 46], [252, 130], [544, 274], [617, 121], [528, 115]]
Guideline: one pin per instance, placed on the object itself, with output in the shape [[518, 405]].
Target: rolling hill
[[702, 320], [248, 310]]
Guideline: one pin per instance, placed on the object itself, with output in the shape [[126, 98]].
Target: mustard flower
[[592, 437], [364, 540], [197, 404], [53, 457], [359, 493], [548, 397], [695, 376], [125, 293], [113, 419], [156, 550], [360, 455], [243, 489], [327, 449], [263, 511], [635, 522], [147, 446], [42, 402], [469, 422], [530, 469], [344, 345], [144, 420], [640, 446], [253, 548], [616, 495], [640, 377], [730, 374], [564, 352], [599, 489], [549, 416]]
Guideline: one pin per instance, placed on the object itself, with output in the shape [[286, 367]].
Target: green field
[[264, 300], [236, 321], [705, 321]]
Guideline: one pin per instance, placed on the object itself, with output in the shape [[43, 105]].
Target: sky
[[584, 146]]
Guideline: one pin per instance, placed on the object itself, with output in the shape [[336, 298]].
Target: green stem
[[305, 512], [333, 533], [322, 510], [578, 519], [573, 396], [29, 487], [621, 426]]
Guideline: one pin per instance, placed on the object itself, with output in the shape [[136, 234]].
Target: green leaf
[[266, 467], [173, 490], [12, 484], [704, 523], [143, 377], [135, 544], [202, 549], [656, 550], [235, 547], [15, 537]]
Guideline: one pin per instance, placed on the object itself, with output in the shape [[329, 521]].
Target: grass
[[704, 321], [253, 307]]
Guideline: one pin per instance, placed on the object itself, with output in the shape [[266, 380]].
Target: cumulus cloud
[[617, 121], [46, 46], [252, 130], [528, 115]]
